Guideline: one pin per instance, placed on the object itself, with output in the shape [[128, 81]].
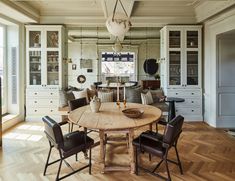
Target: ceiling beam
[[14, 11]]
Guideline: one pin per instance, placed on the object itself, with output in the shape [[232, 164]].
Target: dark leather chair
[[67, 145], [74, 104], [159, 145]]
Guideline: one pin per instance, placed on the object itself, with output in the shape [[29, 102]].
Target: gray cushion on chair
[[161, 105], [133, 94]]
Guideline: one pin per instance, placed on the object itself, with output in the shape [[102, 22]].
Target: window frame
[[4, 80]]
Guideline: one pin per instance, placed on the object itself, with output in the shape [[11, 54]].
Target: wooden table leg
[[102, 152], [131, 150], [151, 127]]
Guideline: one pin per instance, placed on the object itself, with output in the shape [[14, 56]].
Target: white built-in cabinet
[[181, 68], [46, 70]]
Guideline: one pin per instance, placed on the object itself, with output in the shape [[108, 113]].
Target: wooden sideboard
[[150, 84]]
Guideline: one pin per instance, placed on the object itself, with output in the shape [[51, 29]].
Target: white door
[[226, 79]]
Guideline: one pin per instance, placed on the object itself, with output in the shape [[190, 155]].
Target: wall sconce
[[67, 60], [160, 60]]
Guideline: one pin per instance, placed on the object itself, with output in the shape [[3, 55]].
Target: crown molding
[[208, 9]]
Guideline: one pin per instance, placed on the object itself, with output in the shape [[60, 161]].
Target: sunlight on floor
[[21, 136], [29, 127]]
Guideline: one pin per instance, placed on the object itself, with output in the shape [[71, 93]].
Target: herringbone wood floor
[[206, 154]]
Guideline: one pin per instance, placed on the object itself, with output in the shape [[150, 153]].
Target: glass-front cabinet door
[[52, 67], [35, 76], [52, 39], [192, 39], [192, 68], [174, 68], [35, 57], [174, 39]]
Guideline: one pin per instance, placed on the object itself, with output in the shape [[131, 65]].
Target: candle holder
[[118, 104], [124, 103]]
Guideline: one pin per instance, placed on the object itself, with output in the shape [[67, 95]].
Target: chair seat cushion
[[75, 142], [152, 135], [161, 105], [150, 146]]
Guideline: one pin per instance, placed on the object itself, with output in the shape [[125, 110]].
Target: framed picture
[[74, 67], [86, 63]]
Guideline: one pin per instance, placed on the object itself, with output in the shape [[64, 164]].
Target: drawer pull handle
[[51, 110], [35, 93], [35, 101], [192, 93], [35, 110], [51, 93], [51, 101], [192, 101]]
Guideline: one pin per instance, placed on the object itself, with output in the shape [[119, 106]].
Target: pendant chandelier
[[118, 23]]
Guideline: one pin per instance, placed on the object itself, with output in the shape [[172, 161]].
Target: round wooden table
[[111, 119]]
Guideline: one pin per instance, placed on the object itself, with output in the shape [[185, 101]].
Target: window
[[2, 66], [118, 64]]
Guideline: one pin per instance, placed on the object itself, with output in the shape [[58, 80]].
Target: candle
[[117, 92], [124, 92]]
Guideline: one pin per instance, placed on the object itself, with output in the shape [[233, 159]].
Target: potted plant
[[157, 76]]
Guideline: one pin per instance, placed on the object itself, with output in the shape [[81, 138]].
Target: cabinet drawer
[[42, 111], [190, 102], [188, 111], [183, 93], [43, 102], [42, 93]]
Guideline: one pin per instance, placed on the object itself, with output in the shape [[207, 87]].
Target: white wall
[[218, 25], [89, 51]]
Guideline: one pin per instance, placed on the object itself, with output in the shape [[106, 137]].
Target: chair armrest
[[74, 135], [152, 135]]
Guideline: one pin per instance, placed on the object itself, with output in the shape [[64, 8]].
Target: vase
[[95, 104]]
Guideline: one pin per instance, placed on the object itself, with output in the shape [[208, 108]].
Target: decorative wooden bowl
[[133, 112]]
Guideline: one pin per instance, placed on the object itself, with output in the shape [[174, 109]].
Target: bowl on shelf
[[133, 112]]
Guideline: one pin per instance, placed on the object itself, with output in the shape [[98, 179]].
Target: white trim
[[4, 82]]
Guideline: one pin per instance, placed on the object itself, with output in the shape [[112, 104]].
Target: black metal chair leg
[[178, 159], [48, 157], [136, 161], [90, 161], [58, 173], [167, 169], [158, 165]]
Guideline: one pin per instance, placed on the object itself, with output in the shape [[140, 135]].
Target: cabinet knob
[[192, 110], [35, 93], [35, 101], [192, 93], [35, 110], [51, 101], [192, 101], [51, 93], [51, 110], [176, 93]]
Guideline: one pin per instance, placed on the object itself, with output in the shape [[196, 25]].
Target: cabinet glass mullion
[[35, 76], [192, 67], [52, 67], [174, 67]]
